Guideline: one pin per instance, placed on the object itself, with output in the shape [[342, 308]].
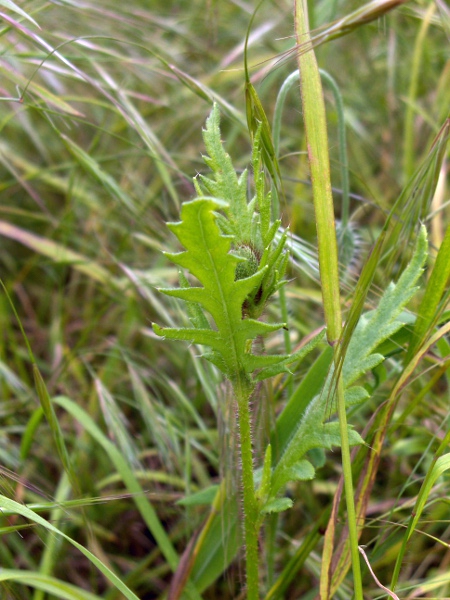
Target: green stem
[[348, 486], [276, 210], [287, 84], [243, 391], [411, 108], [319, 164], [317, 144]]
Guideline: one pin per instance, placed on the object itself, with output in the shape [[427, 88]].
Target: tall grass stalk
[[317, 141]]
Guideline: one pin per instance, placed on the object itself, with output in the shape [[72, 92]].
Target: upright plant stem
[[292, 79], [243, 391], [408, 142], [317, 143]]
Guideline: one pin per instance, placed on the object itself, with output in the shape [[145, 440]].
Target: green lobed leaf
[[310, 429], [280, 366], [207, 256], [226, 185], [375, 327], [311, 433]]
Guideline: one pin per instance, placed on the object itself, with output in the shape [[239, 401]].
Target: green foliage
[[13, 507], [377, 326], [208, 258], [312, 431], [102, 109], [219, 236], [249, 222], [230, 248]]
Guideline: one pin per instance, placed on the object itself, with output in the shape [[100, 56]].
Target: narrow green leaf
[[60, 254], [50, 415], [30, 430], [430, 309], [48, 584], [137, 493], [257, 119], [203, 497], [14, 8], [20, 509], [89, 164], [439, 467]]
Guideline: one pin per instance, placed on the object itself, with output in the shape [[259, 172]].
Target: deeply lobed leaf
[[208, 258], [312, 431]]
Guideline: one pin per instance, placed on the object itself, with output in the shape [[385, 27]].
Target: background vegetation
[[101, 116]]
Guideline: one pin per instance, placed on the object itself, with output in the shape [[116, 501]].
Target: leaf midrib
[[227, 318]]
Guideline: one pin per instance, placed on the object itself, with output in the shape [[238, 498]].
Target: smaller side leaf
[[375, 328], [285, 361], [264, 489], [277, 505]]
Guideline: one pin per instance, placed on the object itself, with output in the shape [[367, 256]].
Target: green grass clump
[[137, 467]]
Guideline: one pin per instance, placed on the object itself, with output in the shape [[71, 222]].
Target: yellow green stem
[[317, 143]]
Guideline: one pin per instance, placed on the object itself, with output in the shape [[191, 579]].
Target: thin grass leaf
[[117, 424], [444, 12], [88, 163], [219, 548], [143, 505], [409, 129], [370, 11], [257, 119], [41, 92], [29, 432], [14, 8], [61, 254], [52, 543], [291, 569], [431, 306], [50, 415], [19, 509], [439, 467], [47, 584]]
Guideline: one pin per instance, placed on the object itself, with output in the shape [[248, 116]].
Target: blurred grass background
[[102, 109]]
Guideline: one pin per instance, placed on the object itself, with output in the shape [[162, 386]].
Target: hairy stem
[[243, 392]]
